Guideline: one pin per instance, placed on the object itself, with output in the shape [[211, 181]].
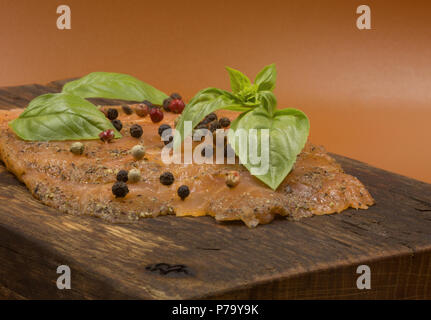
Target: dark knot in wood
[[165, 268]]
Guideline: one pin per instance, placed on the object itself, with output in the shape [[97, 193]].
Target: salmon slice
[[81, 184]]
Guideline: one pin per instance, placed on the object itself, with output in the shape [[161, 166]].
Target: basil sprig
[[61, 116], [68, 116], [114, 86], [288, 128], [288, 133]]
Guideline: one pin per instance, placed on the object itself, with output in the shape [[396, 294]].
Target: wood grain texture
[[314, 258]]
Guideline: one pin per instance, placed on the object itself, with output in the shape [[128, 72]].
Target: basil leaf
[[202, 104], [114, 86], [268, 101], [266, 78], [61, 116], [238, 80], [288, 133]]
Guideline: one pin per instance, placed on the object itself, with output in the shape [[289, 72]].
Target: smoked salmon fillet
[[81, 184]]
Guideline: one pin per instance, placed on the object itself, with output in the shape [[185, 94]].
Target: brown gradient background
[[367, 93]]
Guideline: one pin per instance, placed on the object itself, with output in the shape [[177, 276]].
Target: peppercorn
[[228, 151], [136, 131], [166, 104], [205, 121], [207, 152], [141, 110], [107, 135], [232, 178], [199, 134], [176, 96], [134, 175], [138, 152], [213, 126], [122, 175], [167, 178], [176, 105], [117, 124], [183, 192], [156, 114], [201, 126], [77, 148], [224, 122], [148, 104], [163, 127], [211, 117], [127, 110], [166, 142], [120, 189], [112, 114]]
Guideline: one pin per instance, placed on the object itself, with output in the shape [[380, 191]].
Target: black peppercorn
[[123, 175], [148, 103], [201, 126], [211, 117], [166, 104], [166, 142], [167, 178], [117, 124], [163, 127], [112, 114], [183, 192], [224, 122], [136, 131], [176, 96], [120, 189], [213, 126], [207, 152], [127, 109]]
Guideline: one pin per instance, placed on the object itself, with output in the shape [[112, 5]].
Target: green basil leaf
[[268, 101], [288, 133], [61, 116], [266, 78], [114, 86], [202, 104], [238, 80]]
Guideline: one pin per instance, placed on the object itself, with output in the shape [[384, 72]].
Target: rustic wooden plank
[[313, 258]]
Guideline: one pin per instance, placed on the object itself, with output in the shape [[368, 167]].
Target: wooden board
[[314, 258]]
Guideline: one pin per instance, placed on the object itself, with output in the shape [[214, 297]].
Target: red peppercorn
[[156, 115], [107, 135], [176, 105]]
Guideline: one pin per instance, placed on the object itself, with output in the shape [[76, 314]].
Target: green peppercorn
[[77, 148], [134, 175], [232, 179], [138, 152], [120, 189]]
